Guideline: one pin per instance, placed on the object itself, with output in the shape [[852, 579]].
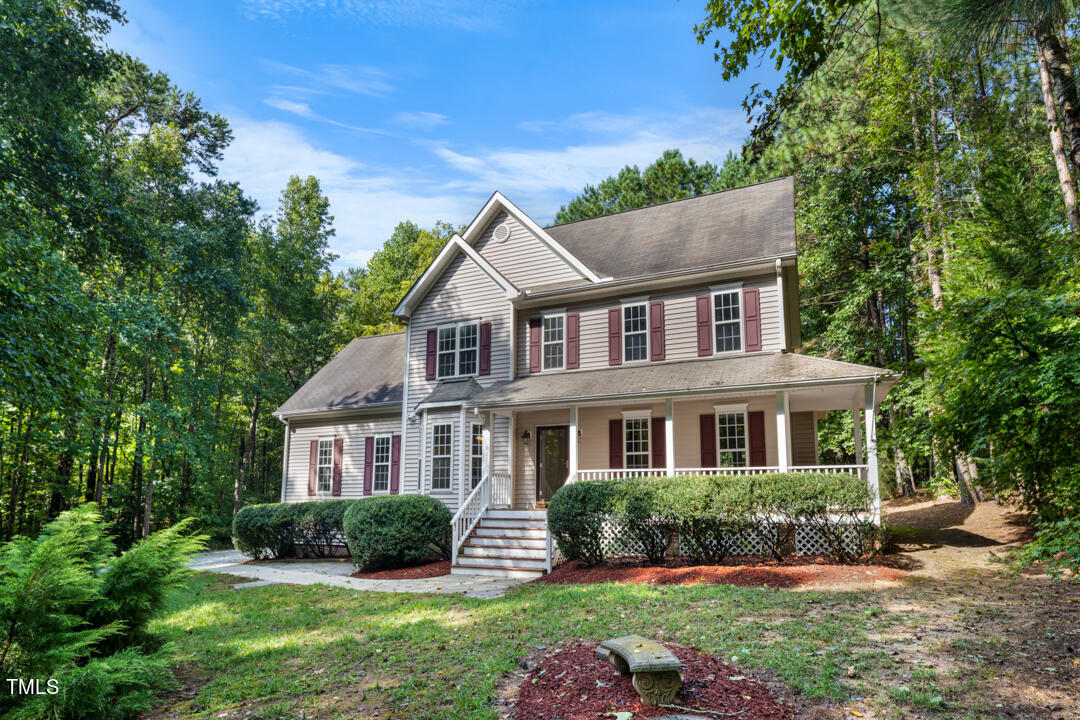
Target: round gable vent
[[501, 233]]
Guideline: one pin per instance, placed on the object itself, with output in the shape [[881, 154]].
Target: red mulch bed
[[746, 571], [571, 683], [436, 568]]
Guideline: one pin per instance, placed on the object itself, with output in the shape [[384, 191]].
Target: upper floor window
[[554, 342], [381, 463], [727, 320], [326, 465], [458, 349], [635, 332], [636, 437], [441, 453]]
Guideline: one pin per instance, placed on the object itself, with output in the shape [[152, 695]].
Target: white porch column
[[669, 437], [870, 413], [783, 433], [573, 460], [856, 428], [485, 424]]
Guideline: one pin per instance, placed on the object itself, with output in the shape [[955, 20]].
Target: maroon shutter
[[485, 348], [369, 463], [659, 443], [708, 440], [656, 330], [573, 326], [535, 328], [614, 333], [335, 489], [615, 444], [313, 467], [432, 353], [704, 326], [756, 431], [395, 464], [752, 322]]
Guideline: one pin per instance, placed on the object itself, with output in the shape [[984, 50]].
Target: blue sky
[[413, 109]]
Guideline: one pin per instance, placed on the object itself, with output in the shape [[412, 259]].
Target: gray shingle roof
[[765, 369], [754, 222], [453, 390], [368, 371]]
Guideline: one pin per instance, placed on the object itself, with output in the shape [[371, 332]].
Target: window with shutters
[[441, 449], [635, 332], [326, 466], [731, 436], [476, 456], [727, 320], [457, 349], [636, 445], [554, 342], [381, 464]]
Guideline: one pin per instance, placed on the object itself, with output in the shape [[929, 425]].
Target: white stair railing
[[501, 490], [468, 515]]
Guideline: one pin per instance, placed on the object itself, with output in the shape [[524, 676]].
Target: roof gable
[[440, 265], [521, 256]]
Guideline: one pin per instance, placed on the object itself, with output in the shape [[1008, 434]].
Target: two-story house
[[657, 341]]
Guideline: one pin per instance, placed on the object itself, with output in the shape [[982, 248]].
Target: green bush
[[74, 611], [319, 527], [1055, 549], [397, 530], [576, 516], [710, 514], [266, 531]]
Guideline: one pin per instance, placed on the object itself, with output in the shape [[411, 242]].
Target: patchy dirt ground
[[437, 568]]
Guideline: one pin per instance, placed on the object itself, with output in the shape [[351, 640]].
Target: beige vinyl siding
[[500, 444], [450, 497], [803, 438], [352, 433], [680, 325], [464, 292], [523, 258]]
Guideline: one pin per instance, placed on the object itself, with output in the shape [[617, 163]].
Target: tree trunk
[[248, 455], [1057, 145], [149, 496], [1063, 86]]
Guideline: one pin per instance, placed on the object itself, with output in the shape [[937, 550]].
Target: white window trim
[[644, 302], [457, 349], [389, 463], [721, 290], [475, 429], [543, 344], [629, 415], [318, 464], [431, 479], [733, 409]]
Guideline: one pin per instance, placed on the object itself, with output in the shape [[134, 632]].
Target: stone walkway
[[336, 573]]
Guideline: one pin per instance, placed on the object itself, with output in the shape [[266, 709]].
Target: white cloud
[[367, 202], [460, 14], [419, 120], [304, 110], [359, 79]]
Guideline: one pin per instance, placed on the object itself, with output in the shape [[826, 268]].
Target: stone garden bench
[[655, 668]]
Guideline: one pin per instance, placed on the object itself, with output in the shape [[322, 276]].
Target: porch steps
[[506, 543]]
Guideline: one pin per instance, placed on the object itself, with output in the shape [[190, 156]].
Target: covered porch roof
[[742, 373]]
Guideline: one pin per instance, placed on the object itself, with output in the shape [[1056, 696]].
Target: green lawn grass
[[289, 651]]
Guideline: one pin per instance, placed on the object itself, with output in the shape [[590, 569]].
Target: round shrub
[[576, 517], [265, 531], [640, 514], [397, 530]]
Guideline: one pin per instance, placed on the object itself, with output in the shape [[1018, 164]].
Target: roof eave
[[330, 411]]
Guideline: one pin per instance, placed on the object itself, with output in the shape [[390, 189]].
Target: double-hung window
[[381, 464], [441, 449], [730, 436], [476, 456], [636, 439], [635, 332], [458, 349], [554, 342], [727, 320], [326, 465]]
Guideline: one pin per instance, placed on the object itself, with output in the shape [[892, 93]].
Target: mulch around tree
[[571, 683], [435, 568], [746, 571]]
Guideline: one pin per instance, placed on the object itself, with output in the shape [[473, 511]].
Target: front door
[[552, 460]]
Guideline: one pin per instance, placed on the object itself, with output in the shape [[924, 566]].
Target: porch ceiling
[[737, 373]]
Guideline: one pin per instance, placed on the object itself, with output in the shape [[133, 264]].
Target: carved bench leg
[[617, 661], [657, 688]]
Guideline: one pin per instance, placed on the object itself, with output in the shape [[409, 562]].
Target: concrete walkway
[[336, 573]]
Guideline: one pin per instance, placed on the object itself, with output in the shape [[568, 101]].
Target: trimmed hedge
[[397, 530], [277, 530], [708, 515]]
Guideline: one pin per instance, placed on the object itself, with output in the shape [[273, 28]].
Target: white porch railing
[[502, 490], [859, 470], [466, 518]]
